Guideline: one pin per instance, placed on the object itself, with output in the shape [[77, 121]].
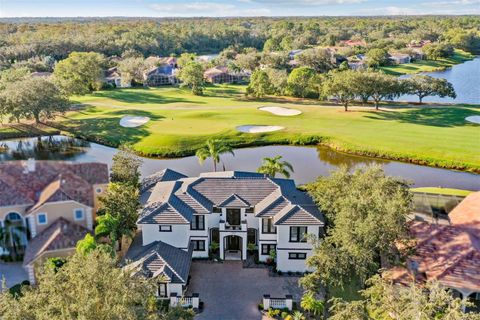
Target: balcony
[[225, 226]]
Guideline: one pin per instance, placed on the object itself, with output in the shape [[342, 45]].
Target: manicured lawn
[[444, 191], [428, 65], [181, 122]]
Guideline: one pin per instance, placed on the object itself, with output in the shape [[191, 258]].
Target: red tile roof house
[[449, 254], [55, 201]]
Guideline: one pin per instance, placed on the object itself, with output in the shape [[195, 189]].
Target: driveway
[[230, 291], [13, 273]]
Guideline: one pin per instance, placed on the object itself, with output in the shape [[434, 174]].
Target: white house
[[234, 209]]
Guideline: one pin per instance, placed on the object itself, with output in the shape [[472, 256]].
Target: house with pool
[[239, 213]]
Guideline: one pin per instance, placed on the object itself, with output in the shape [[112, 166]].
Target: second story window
[[42, 218], [298, 234], [198, 223], [78, 214], [165, 228], [268, 226]]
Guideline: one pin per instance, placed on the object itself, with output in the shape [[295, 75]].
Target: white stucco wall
[[285, 264], [178, 237]]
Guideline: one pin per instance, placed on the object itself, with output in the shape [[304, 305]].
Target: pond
[[308, 162], [464, 77]]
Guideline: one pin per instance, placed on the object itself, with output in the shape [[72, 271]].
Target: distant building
[[163, 73], [54, 202], [293, 53], [399, 58], [218, 75], [114, 77]]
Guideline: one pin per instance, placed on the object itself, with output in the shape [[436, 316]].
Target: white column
[[222, 247], [89, 219], [33, 225], [31, 274], [289, 302], [266, 302], [244, 247], [195, 300]]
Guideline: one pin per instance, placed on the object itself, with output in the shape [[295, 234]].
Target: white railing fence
[[277, 303], [192, 301]]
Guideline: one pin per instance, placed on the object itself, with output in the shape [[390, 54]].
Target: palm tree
[[213, 149], [272, 166], [311, 305]]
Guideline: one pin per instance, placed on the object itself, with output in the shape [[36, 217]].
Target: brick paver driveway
[[230, 292]]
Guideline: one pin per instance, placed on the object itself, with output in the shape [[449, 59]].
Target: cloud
[[210, 9], [305, 2]]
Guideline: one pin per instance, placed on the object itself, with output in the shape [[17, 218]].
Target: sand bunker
[[132, 121], [473, 119], [258, 129], [281, 111]]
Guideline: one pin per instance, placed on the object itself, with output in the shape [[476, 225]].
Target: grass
[[443, 191], [428, 65], [181, 122]]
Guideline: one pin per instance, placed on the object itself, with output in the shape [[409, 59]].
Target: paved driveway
[[13, 273], [230, 292]]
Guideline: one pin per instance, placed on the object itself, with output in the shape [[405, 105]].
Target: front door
[[233, 243]]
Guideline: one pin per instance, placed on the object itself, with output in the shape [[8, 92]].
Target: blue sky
[[222, 8]]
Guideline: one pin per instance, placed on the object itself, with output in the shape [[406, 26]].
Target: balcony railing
[[225, 226]]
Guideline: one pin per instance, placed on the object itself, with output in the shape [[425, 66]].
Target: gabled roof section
[[160, 176], [161, 213], [467, 212], [298, 215], [234, 201], [61, 234], [160, 258], [9, 196]]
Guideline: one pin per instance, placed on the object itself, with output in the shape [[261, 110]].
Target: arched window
[[13, 217]]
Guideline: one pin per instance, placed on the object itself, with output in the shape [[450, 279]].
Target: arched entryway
[[474, 298], [233, 248], [14, 233]]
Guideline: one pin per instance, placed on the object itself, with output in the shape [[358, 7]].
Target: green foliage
[[311, 305], [214, 246], [342, 86], [376, 57], [185, 58], [248, 61], [86, 287], [32, 98], [86, 245], [278, 80], [259, 85], [12, 75], [379, 221], [191, 76], [126, 167], [435, 51], [55, 263], [179, 313], [213, 149], [318, 59], [423, 86], [10, 236], [301, 82], [132, 69], [378, 86], [80, 73], [272, 166], [272, 313]]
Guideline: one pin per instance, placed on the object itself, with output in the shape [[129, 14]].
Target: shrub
[[288, 317], [260, 306], [284, 315], [272, 313], [279, 272]]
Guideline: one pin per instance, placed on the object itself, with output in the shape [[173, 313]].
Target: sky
[[228, 8]]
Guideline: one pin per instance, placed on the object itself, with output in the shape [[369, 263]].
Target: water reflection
[[308, 162]]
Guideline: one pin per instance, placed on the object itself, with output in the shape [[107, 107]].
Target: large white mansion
[[233, 209]]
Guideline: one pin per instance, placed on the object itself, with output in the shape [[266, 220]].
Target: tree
[[185, 58], [259, 85], [132, 69], [125, 167], [80, 73], [109, 226], [192, 76], [378, 86], [387, 301], [247, 61], [86, 287], [278, 80], [121, 201], [213, 149], [33, 98], [86, 245], [366, 214], [311, 305], [342, 86], [13, 75], [275, 60], [423, 86], [318, 59], [376, 57], [438, 50], [301, 82], [272, 166]]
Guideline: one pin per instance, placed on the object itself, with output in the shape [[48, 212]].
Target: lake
[[308, 162], [464, 77]]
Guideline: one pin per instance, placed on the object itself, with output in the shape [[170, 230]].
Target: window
[[217, 210], [252, 236], [298, 234], [267, 226], [233, 217], [198, 223], [78, 214], [266, 248], [42, 218], [99, 190], [297, 256], [249, 210], [13, 216], [162, 290], [165, 228], [198, 245]]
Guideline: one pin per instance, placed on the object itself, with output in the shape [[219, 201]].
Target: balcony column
[[244, 240]]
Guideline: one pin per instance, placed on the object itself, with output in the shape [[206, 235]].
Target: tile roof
[[447, 253], [35, 182], [163, 175], [61, 234], [160, 258], [269, 197]]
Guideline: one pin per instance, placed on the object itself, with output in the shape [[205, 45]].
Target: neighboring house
[[399, 58], [234, 209], [218, 75], [448, 253], [37, 194], [207, 57], [292, 54], [357, 65], [114, 77], [163, 73]]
